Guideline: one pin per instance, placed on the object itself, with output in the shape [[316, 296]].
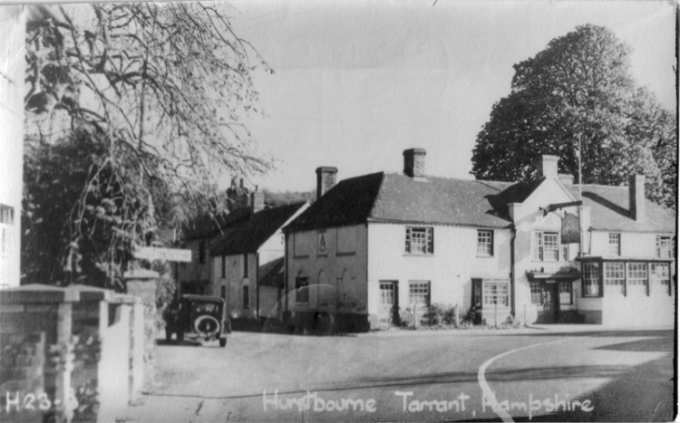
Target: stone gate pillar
[[142, 283]]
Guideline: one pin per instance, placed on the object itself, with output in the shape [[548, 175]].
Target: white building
[[379, 246], [12, 69]]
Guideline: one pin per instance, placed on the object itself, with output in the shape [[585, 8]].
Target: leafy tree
[[578, 95], [144, 105]]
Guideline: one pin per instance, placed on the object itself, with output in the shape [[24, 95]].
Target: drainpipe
[[257, 285], [286, 255], [512, 271]]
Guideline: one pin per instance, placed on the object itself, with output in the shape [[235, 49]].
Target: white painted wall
[[530, 217], [636, 309], [450, 269], [633, 244], [12, 70]]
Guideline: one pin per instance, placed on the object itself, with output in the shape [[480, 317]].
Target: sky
[[358, 82]]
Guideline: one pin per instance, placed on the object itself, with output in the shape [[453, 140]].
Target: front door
[[551, 302], [388, 302]]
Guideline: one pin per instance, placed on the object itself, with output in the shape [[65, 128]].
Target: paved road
[[423, 376]]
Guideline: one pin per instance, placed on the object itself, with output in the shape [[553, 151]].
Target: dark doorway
[[550, 302]]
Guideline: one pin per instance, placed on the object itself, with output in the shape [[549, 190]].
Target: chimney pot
[[414, 162], [547, 166], [325, 179], [257, 201], [636, 187]]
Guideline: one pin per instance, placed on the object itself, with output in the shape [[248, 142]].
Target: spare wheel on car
[[206, 325]]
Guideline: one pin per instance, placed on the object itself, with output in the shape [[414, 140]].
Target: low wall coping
[[40, 293]]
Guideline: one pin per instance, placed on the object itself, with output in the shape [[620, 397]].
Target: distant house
[[375, 247], [232, 251], [195, 277], [247, 262]]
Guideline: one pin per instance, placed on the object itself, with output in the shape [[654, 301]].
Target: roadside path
[[429, 377]]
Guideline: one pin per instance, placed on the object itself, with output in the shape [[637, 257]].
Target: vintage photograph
[[338, 211]]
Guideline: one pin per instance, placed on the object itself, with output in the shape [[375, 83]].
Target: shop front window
[[591, 279]]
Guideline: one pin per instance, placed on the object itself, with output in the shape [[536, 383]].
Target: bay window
[[660, 277], [614, 277], [636, 277], [591, 279]]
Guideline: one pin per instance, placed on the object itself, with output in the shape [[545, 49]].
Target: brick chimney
[[257, 200], [414, 162], [325, 179], [547, 166], [636, 186]]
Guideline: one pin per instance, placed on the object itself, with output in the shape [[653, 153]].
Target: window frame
[[428, 240], [415, 288], [637, 274], [612, 275], [665, 280], [594, 275], [665, 244], [480, 294], [536, 289], [615, 247], [560, 284], [539, 245], [485, 243]]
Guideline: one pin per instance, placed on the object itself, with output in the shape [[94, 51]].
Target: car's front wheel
[[223, 342]]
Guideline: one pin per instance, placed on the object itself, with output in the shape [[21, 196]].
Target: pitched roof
[[247, 235], [207, 226], [610, 210], [391, 197]]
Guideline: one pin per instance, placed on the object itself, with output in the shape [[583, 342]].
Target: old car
[[197, 317]]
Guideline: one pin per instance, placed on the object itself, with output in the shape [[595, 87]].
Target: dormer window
[[419, 240]]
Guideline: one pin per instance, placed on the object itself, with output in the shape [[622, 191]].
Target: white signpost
[[168, 254]]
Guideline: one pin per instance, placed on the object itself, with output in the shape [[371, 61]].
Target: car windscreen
[[204, 307]]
